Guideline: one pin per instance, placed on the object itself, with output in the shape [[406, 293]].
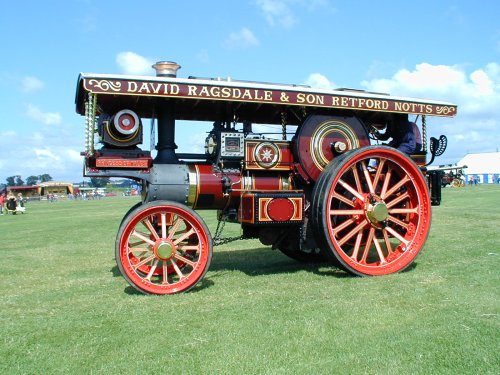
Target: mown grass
[[66, 310]]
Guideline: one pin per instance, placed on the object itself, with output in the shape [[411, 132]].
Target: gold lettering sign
[[369, 102]]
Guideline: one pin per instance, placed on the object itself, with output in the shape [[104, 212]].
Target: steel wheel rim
[[377, 217], [164, 249]]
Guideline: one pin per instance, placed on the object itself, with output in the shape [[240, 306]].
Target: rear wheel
[[163, 247], [371, 210]]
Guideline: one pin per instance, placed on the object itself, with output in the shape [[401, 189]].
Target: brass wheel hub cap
[[165, 250], [376, 210]]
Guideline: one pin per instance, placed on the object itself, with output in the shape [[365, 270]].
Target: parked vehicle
[[326, 189]]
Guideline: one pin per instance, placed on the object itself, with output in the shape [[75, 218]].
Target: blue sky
[[443, 50]]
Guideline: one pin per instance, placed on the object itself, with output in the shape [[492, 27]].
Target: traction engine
[[325, 190]]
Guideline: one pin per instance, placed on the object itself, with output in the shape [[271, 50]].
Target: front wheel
[[163, 247], [371, 210]]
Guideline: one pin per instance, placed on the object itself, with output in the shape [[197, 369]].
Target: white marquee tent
[[484, 166]]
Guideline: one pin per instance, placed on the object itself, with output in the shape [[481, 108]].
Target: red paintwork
[[271, 208], [280, 209], [209, 189], [313, 150], [254, 158], [409, 218], [149, 277]]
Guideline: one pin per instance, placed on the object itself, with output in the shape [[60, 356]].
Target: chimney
[[166, 69]]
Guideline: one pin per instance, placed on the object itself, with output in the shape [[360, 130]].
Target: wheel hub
[[164, 250], [376, 210]]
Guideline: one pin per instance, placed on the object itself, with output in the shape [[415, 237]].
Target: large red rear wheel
[[163, 247], [371, 210]]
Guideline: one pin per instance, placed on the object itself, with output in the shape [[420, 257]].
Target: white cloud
[[196, 143], [45, 153], [241, 39], [74, 155], [319, 81], [480, 87], [277, 12], [49, 149], [47, 118], [132, 63], [6, 134], [425, 78], [476, 128], [482, 83], [37, 138], [31, 85]]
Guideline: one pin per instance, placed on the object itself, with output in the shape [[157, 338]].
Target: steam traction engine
[[327, 191]]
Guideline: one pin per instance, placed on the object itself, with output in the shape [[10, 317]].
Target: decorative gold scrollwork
[[105, 85]]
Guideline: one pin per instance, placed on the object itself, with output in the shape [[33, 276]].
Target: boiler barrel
[[211, 188]]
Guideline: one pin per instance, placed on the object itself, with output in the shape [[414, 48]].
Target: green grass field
[[65, 309]]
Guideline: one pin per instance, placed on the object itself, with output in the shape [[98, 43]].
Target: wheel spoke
[[173, 228], [187, 247], [368, 245], [142, 237], [342, 226], [380, 167], [355, 230], [351, 190], [185, 260], [387, 179], [165, 273], [343, 199], [143, 262], [163, 225], [346, 212], [184, 236], [357, 245], [395, 201], [379, 250], [147, 223], [397, 221], [387, 242], [367, 177], [397, 186], [398, 236], [152, 270], [404, 210], [177, 269], [134, 244], [356, 178], [141, 251]]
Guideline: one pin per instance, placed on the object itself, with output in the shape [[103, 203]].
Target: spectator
[[20, 200], [11, 202], [2, 203]]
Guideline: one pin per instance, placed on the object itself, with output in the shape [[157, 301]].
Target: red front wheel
[[371, 210], [163, 247]]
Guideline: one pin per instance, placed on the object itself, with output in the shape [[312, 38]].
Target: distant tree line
[[99, 182], [30, 181], [33, 180]]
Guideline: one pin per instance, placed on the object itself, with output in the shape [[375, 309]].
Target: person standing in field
[[2, 203]]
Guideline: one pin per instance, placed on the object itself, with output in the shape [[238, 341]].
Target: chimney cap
[[166, 68]]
